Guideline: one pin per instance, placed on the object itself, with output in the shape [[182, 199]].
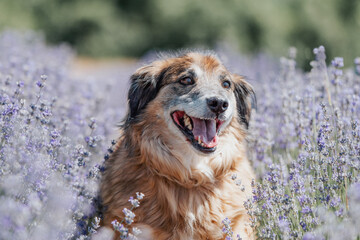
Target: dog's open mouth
[[202, 133]]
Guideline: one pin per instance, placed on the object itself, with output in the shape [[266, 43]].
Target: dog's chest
[[197, 213]]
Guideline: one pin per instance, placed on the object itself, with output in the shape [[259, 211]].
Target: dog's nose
[[217, 105]]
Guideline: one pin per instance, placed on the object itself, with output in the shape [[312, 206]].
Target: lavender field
[[57, 130]]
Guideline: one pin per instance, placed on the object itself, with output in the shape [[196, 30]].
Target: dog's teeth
[[199, 140], [187, 122], [186, 117]]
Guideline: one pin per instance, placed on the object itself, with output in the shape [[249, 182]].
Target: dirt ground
[[84, 67], [116, 72]]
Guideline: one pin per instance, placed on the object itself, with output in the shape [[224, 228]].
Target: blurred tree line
[[133, 27]]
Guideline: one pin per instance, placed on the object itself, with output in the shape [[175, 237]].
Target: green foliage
[[133, 27]]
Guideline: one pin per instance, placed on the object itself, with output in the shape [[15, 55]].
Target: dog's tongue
[[206, 129]]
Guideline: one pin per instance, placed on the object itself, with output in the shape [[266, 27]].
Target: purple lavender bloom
[[129, 216], [356, 191], [304, 142], [40, 84], [42, 167], [124, 232], [306, 210], [227, 228], [310, 236], [284, 225], [140, 196], [134, 202], [338, 62]]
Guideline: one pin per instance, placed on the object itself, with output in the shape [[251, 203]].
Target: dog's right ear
[[145, 84]]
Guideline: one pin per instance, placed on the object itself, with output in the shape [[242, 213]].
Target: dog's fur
[[187, 192]]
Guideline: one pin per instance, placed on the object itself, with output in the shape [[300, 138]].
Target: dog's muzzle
[[201, 133]]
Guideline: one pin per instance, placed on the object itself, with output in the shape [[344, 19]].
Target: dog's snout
[[217, 105]]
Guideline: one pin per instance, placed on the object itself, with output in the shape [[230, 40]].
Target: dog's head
[[195, 97]]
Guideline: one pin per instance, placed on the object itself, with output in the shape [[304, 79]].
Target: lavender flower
[[338, 62], [124, 232], [48, 179], [311, 170], [227, 229], [128, 219], [304, 143]]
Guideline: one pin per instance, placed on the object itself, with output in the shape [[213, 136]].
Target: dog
[[181, 141]]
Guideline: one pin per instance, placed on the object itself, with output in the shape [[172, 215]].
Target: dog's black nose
[[217, 105]]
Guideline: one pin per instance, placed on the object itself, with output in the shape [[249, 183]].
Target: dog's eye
[[187, 81], [226, 84]]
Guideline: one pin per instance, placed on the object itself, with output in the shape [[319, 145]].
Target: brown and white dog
[[183, 138]]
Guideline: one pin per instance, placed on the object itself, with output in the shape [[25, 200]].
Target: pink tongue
[[206, 129]]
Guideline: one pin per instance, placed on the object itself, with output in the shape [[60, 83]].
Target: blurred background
[[131, 28]]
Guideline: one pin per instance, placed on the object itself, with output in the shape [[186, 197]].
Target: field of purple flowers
[[57, 130]]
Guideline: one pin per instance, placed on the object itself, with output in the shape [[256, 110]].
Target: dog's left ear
[[245, 98], [145, 84]]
